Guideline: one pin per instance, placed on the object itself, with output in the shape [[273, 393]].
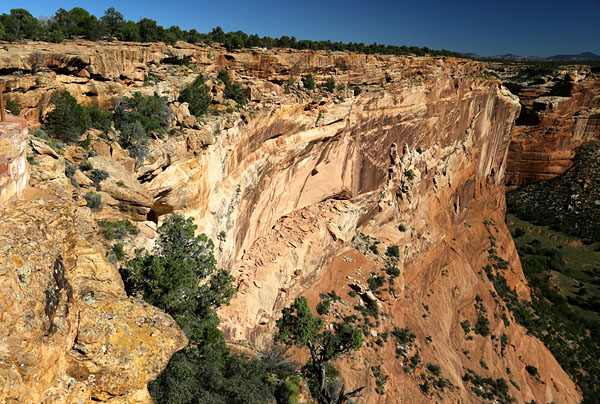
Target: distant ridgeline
[[77, 22]]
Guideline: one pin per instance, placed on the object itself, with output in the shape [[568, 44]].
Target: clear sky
[[522, 27]]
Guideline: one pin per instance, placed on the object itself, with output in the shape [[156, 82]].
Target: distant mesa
[[580, 57]]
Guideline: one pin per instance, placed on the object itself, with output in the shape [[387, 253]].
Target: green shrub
[[85, 165], [409, 174], [70, 170], [98, 118], [392, 270], [12, 106], [482, 326], [308, 82], [117, 230], [40, 134], [324, 304], [401, 227], [357, 91], [139, 117], [532, 370], [330, 85], [68, 120], [117, 249], [434, 369], [97, 176], [233, 91], [403, 335], [197, 95], [375, 282], [94, 201], [393, 251], [56, 36]]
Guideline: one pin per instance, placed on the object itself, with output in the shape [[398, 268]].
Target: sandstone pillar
[[14, 170]]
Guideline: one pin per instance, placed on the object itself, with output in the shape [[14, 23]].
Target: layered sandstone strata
[[285, 184], [560, 111], [14, 170]]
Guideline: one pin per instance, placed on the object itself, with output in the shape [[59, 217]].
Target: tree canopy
[[299, 327], [181, 277], [78, 22]]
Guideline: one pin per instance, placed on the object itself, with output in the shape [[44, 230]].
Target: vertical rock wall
[[14, 171]]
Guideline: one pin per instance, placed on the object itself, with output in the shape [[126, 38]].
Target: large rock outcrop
[[69, 332]]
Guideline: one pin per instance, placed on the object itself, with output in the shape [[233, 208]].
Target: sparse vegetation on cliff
[[233, 91], [68, 120], [308, 82], [12, 106], [139, 117], [197, 95], [298, 327], [94, 201]]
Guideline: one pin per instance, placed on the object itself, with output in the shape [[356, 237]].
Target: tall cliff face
[[561, 111], [416, 160]]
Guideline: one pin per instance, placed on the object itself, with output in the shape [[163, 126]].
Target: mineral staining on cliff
[[416, 160]]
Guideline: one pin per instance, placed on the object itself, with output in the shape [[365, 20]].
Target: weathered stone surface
[[14, 170], [69, 333], [133, 200], [559, 113]]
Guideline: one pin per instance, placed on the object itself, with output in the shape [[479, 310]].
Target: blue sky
[[525, 27]]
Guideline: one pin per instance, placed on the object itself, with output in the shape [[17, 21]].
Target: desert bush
[[117, 230], [197, 95], [12, 106], [330, 85], [94, 201], [393, 251], [68, 120], [139, 117], [308, 82], [233, 91]]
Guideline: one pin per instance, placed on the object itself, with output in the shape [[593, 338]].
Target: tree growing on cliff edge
[[68, 120], [300, 328], [180, 276], [197, 95]]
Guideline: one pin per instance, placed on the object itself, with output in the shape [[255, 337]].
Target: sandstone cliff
[[417, 160], [560, 111]]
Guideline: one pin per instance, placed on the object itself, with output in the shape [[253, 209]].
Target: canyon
[[286, 186]]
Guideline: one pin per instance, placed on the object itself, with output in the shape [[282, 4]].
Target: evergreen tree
[[197, 95], [112, 21], [299, 327], [68, 120]]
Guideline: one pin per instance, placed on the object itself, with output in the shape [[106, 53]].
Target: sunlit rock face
[[418, 160], [14, 170], [69, 332]]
